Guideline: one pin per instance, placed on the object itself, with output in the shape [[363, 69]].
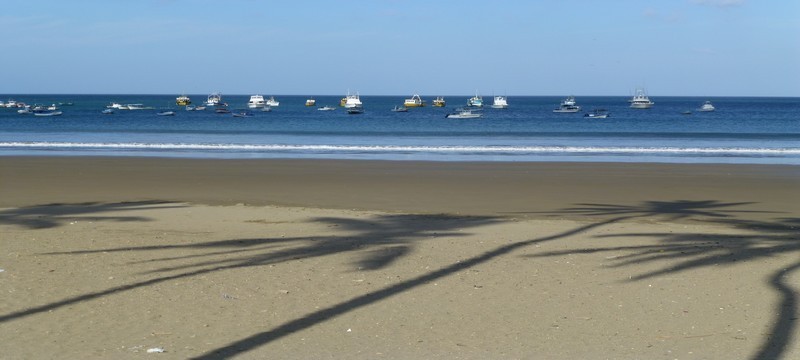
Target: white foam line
[[378, 148]]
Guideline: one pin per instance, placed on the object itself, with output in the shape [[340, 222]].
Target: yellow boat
[[311, 102], [343, 101], [414, 101], [183, 100], [438, 102]]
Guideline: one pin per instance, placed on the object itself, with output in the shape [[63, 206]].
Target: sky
[[391, 47]]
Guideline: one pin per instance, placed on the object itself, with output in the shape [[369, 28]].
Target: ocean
[[741, 130]]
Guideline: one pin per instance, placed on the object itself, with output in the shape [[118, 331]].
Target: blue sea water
[[741, 130]]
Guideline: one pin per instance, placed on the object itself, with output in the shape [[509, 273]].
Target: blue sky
[[544, 47]]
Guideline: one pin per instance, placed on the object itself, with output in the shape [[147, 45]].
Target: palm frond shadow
[[54, 215], [378, 241], [757, 240]]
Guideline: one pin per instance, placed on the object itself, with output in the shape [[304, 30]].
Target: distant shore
[[115, 257]]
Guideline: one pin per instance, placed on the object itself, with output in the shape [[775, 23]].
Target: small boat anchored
[[640, 100], [707, 107], [414, 101], [183, 100], [475, 101], [166, 113], [256, 101], [439, 102], [597, 114], [271, 102], [464, 114], [311, 102], [568, 106], [500, 102], [214, 100], [326, 108], [400, 109]]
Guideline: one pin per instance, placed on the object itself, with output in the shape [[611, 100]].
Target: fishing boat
[[243, 114], [355, 110], [464, 114], [47, 113], [166, 113], [707, 107], [640, 100], [400, 109], [214, 99], [183, 100], [256, 101], [568, 106], [414, 101], [311, 102], [475, 101], [272, 102], [439, 102], [597, 114], [114, 105], [500, 102], [352, 100], [326, 108]]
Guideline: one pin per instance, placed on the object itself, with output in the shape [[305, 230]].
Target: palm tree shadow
[[612, 214], [379, 242], [688, 251], [54, 215]]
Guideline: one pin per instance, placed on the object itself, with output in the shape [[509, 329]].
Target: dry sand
[[109, 257]]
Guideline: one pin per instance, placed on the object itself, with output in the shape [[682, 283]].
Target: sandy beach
[[107, 258]]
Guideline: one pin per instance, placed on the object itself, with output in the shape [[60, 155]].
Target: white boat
[[256, 101], [272, 102], [136, 107], [352, 100], [464, 114], [24, 111], [47, 113], [400, 109], [475, 101], [568, 106], [166, 113], [500, 102], [108, 111], [707, 106], [114, 105], [326, 108], [311, 102], [597, 114], [11, 103], [199, 108], [640, 100], [214, 99], [414, 101]]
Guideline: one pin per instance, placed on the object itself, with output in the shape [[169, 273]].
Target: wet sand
[[110, 257]]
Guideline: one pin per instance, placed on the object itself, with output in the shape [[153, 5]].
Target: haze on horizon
[[388, 47]]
